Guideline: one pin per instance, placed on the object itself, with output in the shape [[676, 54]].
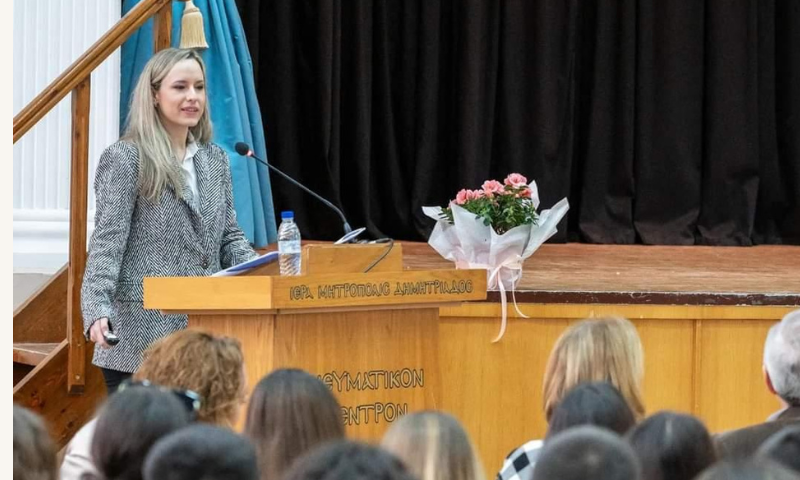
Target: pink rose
[[462, 196], [490, 187], [475, 194], [516, 180], [524, 193]]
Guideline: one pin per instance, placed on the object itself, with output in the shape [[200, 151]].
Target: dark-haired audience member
[[782, 377], [748, 469], [592, 350], [290, 413], [348, 460], [209, 365], [672, 446], [783, 447], [128, 426], [34, 451], [587, 453], [598, 403], [201, 452], [434, 446]]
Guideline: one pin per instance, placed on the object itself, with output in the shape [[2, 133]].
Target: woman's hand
[[96, 331]]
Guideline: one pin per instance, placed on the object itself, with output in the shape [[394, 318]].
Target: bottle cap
[[287, 214]]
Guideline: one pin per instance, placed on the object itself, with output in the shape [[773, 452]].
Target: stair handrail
[[87, 63], [76, 79]]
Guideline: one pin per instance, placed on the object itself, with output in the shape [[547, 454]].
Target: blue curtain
[[232, 100]]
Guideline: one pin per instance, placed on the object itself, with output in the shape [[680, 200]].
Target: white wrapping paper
[[471, 244]]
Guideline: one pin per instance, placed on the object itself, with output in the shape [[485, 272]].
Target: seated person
[[290, 413], [598, 404], [211, 366], [434, 446], [672, 446], [783, 447], [587, 453], [348, 460], [201, 452], [782, 378], [748, 469], [593, 350], [34, 451], [129, 424]]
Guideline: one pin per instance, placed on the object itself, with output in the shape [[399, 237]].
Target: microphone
[[243, 149]]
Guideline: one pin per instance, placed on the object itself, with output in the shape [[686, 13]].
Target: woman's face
[[181, 98]]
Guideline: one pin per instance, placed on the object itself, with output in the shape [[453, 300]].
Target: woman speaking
[[164, 208]]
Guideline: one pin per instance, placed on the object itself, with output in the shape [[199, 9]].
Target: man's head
[[782, 359], [587, 453]]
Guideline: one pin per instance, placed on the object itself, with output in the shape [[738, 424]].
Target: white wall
[[49, 35]]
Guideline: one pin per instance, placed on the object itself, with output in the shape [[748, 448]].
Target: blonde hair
[[434, 446], [209, 365], [596, 350], [157, 164]]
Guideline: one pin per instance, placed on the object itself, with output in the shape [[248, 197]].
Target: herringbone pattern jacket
[[136, 238]]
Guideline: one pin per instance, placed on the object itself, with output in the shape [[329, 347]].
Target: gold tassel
[[192, 34]]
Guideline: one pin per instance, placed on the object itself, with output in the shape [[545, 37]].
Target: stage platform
[[702, 313]]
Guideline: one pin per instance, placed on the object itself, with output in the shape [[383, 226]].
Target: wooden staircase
[[53, 374]]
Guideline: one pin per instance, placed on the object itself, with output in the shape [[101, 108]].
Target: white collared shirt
[[190, 174]]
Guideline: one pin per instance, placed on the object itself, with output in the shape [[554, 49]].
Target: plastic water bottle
[[289, 245]]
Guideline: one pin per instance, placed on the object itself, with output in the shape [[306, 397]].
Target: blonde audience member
[[290, 413], [34, 452], [434, 446], [594, 350], [208, 365]]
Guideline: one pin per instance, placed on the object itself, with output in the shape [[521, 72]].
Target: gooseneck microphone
[[244, 150]]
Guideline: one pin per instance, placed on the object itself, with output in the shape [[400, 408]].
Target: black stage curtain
[[663, 122]]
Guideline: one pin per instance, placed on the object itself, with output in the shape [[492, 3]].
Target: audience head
[[586, 453], [748, 469], [783, 447], [290, 413], [129, 424], [201, 452], [598, 404], [596, 350], [434, 446], [672, 446], [348, 460], [782, 357], [207, 364], [34, 451]]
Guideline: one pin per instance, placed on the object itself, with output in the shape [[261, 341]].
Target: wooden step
[[32, 353]]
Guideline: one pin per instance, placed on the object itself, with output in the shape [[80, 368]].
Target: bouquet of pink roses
[[503, 206], [495, 228]]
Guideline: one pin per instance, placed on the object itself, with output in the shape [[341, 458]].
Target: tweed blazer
[[136, 238]]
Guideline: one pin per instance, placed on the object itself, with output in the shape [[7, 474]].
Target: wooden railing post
[[162, 28], [78, 205]]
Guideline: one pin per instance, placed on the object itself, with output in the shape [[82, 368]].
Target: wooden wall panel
[[732, 393], [379, 364], [668, 364], [495, 389]]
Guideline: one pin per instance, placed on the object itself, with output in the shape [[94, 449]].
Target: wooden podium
[[373, 338]]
